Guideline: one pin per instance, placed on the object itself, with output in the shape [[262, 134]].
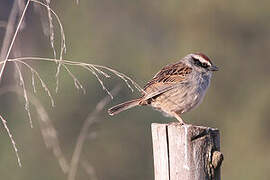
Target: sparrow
[[177, 88]]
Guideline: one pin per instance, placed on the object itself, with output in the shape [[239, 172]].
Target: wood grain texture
[[160, 152], [186, 152]]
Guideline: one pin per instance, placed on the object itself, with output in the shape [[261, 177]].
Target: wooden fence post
[[186, 152]]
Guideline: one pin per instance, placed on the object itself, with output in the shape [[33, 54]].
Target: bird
[[175, 89]]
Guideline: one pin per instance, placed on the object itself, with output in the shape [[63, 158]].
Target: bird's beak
[[213, 68]]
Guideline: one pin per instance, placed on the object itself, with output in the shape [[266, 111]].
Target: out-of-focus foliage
[[138, 38]]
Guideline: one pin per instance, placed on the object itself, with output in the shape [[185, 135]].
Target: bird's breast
[[197, 92], [183, 98]]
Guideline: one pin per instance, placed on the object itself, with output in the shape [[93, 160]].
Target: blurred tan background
[[138, 38]]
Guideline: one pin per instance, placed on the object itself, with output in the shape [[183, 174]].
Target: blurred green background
[[138, 38]]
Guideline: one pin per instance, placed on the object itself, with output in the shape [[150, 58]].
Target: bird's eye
[[204, 65], [199, 63]]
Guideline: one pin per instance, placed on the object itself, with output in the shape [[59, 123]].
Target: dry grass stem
[[91, 118], [87, 66], [77, 83], [9, 30], [43, 84], [128, 81], [33, 81], [4, 122], [63, 40], [21, 5], [51, 28], [49, 135], [98, 78], [7, 44], [26, 106], [89, 169], [123, 77], [13, 38], [48, 131]]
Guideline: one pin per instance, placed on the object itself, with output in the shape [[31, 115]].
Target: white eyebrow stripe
[[202, 60]]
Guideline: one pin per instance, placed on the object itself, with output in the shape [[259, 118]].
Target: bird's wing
[[167, 78]]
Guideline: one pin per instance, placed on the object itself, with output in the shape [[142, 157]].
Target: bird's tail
[[123, 106]]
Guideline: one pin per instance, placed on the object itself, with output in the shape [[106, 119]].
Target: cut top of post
[[186, 152]]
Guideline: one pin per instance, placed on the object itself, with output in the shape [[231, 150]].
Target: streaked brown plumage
[[176, 88]]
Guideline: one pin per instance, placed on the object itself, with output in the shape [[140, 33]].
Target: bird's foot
[[179, 118]]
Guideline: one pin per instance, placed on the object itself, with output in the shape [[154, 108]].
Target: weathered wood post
[[186, 152]]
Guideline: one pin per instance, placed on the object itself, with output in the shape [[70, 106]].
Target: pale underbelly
[[176, 100]]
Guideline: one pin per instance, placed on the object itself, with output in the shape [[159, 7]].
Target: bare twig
[[91, 118]]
